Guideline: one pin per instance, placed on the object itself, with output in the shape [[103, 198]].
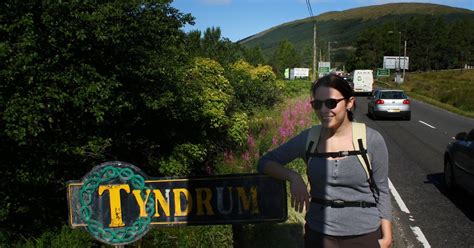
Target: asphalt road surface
[[432, 217]]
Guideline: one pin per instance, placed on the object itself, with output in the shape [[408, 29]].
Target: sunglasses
[[330, 103]]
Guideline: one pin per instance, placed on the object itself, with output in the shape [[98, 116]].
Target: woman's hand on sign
[[299, 193], [385, 243]]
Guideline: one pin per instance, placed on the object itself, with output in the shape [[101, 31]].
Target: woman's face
[[332, 118]]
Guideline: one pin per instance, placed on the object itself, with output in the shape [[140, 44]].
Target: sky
[[239, 19]]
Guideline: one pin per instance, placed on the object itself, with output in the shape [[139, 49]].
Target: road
[[416, 150]]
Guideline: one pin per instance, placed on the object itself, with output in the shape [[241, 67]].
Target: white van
[[363, 81]]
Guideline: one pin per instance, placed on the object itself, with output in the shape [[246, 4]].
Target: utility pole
[[329, 54], [320, 53], [399, 42], [397, 78], [404, 60], [314, 52]]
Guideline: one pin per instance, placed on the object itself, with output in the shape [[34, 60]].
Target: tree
[[285, 56], [193, 43], [307, 56], [432, 43], [85, 82], [212, 45], [82, 82], [254, 55]]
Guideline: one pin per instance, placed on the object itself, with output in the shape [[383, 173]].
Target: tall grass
[[455, 88], [269, 129]]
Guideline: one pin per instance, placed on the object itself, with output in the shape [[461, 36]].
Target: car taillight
[[406, 101], [379, 101]]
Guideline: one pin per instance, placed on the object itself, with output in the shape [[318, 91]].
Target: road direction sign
[[383, 72], [394, 62]]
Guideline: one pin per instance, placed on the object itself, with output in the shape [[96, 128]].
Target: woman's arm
[[298, 188], [386, 227], [379, 154], [272, 164]]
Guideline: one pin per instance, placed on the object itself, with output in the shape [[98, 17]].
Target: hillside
[[344, 26]]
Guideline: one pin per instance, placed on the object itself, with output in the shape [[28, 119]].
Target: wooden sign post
[[117, 203]]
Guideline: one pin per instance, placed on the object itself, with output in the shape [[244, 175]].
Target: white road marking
[[416, 230], [397, 197], [420, 236], [422, 122]]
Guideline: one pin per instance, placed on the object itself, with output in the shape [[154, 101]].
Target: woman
[[342, 208]]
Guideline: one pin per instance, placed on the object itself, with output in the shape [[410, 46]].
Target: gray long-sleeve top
[[343, 179]]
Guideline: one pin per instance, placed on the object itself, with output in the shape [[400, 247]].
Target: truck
[[363, 81]]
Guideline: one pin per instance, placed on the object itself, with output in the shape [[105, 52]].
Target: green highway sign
[[323, 69], [383, 72]]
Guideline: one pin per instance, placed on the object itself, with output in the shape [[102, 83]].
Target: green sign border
[[104, 173]]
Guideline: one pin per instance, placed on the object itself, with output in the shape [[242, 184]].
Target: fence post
[[237, 235]]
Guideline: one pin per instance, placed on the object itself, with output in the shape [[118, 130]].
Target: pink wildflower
[[246, 156], [274, 140], [251, 142]]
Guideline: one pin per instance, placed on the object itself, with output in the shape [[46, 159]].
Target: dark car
[[459, 162], [389, 103]]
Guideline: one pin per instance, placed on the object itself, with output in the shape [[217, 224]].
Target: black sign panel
[[118, 196]]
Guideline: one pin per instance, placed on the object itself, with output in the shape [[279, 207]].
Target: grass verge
[[452, 90]]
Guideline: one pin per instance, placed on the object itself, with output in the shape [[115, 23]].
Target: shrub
[[191, 236], [63, 238], [255, 87]]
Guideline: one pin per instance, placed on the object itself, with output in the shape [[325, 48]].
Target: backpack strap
[[359, 140], [312, 141], [359, 132]]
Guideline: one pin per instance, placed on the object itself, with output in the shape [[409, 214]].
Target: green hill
[[343, 27]]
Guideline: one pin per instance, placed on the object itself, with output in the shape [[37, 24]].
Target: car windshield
[[392, 95]]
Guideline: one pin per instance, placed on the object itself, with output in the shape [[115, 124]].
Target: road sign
[[383, 72], [323, 68], [117, 203], [391, 62], [299, 73], [323, 71], [324, 64]]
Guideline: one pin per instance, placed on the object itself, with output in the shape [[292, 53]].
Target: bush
[[255, 87], [63, 238], [82, 83], [191, 236], [206, 93]]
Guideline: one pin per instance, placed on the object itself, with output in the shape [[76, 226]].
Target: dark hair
[[338, 83]]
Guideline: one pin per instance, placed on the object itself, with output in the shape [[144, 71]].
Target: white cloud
[[216, 2]]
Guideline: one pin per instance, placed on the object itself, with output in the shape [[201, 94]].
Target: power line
[[310, 10]]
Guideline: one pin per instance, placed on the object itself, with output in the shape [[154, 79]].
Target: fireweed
[[272, 132]]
